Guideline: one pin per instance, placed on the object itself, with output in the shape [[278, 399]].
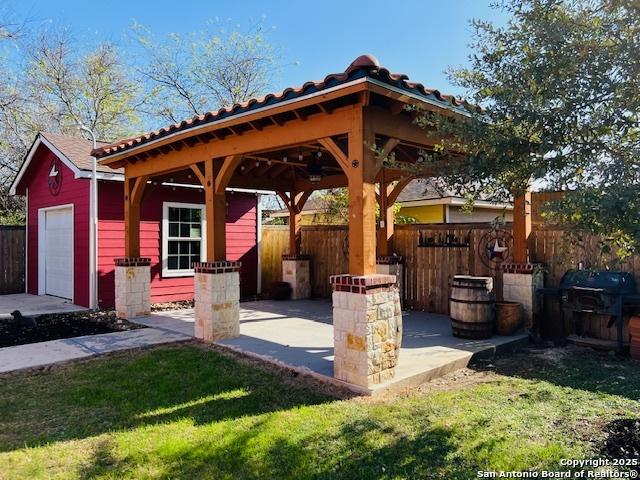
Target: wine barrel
[[634, 331], [472, 307], [508, 317]]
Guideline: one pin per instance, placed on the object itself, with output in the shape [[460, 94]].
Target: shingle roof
[[78, 151], [363, 66]]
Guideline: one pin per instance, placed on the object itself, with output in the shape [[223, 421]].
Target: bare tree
[[189, 75]]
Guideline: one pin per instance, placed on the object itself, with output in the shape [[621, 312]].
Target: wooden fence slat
[[12, 259]]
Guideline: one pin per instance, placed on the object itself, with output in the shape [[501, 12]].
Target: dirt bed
[[42, 328]]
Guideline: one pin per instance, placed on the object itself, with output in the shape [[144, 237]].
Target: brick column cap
[[389, 260], [132, 262], [288, 256], [217, 267], [524, 268]]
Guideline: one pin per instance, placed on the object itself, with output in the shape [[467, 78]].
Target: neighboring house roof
[[74, 152], [363, 68], [417, 193]]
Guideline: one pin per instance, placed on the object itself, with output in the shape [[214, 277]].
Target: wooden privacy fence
[[428, 270], [12, 256]]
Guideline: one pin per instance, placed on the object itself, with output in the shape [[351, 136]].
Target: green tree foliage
[[559, 91]]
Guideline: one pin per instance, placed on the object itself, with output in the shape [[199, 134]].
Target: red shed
[[55, 178]]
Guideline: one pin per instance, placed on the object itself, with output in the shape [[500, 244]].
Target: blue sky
[[419, 38]]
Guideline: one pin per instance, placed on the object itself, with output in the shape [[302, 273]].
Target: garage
[[56, 252]]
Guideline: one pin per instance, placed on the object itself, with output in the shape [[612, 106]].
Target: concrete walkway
[[41, 354], [35, 305]]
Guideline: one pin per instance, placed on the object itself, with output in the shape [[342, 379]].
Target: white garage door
[[58, 252]]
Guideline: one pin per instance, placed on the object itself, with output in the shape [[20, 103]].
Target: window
[[183, 238]]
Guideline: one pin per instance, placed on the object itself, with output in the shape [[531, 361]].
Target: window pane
[[173, 247], [185, 214], [172, 263], [184, 248], [184, 230], [174, 229], [196, 231], [184, 263], [173, 214], [195, 248], [195, 215], [194, 259]]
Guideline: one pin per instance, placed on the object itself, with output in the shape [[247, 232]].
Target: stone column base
[[519, 284], [217, 300], [367, 328], [295, 271], [133, 290], [392, 265]]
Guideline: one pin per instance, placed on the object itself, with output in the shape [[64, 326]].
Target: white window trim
[[166, 273]]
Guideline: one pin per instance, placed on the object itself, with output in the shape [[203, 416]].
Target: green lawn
[[190, 412]]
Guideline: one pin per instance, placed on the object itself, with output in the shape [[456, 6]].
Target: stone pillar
[[217, 300], [367, 328], [519, 284], [295, 271], [133, 292], [391, 265]]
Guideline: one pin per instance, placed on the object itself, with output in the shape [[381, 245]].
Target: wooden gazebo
[[320, 135]]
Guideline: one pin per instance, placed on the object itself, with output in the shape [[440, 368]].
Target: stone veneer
[[391, 265], [217, 300], [133, 287], [295, 271], [519, 284], [367, 328]]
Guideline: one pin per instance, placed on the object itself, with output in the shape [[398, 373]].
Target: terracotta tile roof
[[78, 151], [363, 66]]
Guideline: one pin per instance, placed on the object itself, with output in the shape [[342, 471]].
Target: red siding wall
[[241, 240], [72, 191]]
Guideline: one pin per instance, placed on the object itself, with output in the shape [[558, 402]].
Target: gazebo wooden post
[[217, 281], [387, 220], [295, 265], [362, 199], [521, 227], [215, 214], [132, 273], [367, 321], [521, 279]]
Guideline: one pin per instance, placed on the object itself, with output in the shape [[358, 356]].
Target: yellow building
[[419, 204]]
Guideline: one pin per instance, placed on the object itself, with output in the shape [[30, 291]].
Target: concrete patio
[[299, 334], [35, 304]]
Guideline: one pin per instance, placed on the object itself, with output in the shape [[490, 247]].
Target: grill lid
[[614, 283]]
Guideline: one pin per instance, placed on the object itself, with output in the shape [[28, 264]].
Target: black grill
[[600, 292]]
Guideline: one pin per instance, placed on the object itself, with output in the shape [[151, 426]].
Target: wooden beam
[[273, 137], [387, 220], [199, 175], [521, 227], [215, 215], [362, 198], [337, 153], [388, 147], [227, 169], [133, 190]]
